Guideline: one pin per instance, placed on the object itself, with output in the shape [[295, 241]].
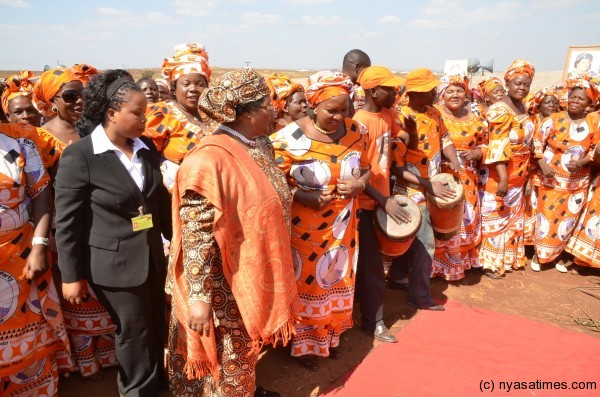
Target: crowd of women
[[243, 207]]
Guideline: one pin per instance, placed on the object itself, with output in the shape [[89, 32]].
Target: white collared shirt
[[101, 144]]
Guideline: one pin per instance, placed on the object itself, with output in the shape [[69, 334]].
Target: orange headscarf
[[585, 81], [20, 84], [421, 80], [488, 85], [325, 84], [188, 58], [282, 87], [48, 85], [459, 80], [84, 72], [518, 68], [533, 104]]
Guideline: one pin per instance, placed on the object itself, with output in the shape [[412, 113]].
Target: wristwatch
[[39, 241]]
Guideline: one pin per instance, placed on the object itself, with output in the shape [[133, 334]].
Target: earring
[[54, 109]]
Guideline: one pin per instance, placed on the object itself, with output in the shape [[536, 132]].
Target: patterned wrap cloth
[[585, 81], [282, 87], [447, 81], [519, 68], [83, 72], [488, 85], [324, 85], [20, 84], [48, 85], [188, 58], [533, 104]]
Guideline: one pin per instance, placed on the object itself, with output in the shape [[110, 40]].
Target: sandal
[[309, 362], [494, 275]]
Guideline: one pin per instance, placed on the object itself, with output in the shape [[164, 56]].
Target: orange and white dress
[[561, 198], [324, 242], [452, 257], [502, 218], [89, 326], [173, 135], [32, 328]]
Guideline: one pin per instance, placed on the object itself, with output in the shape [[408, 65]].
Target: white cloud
[[123, 18], [553, 4], [112, 12], [260, 18], [497, 12], [19, 29], [442, 7], [310, 2], [15, 3], [194, 8], [431, 24], [463, 16], [389, 19], [321, 21]]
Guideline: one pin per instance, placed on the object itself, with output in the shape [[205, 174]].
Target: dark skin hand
[[200, 318], [472, 155], [391, 206], [437, 189], [37, 261], [503, 182]]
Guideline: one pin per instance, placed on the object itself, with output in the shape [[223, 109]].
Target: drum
[[395, 238], [446, 215]]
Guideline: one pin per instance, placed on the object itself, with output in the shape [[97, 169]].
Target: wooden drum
[[446, 215], [394, 239]]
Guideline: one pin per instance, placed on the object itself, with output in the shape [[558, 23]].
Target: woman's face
[[150, 90], [188, 89], [331, 113], [262, 117], [454, 97], [548, 105], [69, 101], [518, 88], [21, 111], [130, 121], [583, 65], [163, 93], [496, 94], [578, 101], [297, 106]]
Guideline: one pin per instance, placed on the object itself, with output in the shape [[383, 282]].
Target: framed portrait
[[584, 59], [455, 67]]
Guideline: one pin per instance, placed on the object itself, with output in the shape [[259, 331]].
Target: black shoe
[[434, 307], [262, 392], [382, 334], [398, 285]]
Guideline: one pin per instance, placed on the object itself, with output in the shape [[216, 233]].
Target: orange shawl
[[251, 232]]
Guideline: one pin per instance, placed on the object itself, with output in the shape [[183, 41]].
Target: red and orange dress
[[324, 242], [561, 198], [502, 218], [32, 328], [452, 257]]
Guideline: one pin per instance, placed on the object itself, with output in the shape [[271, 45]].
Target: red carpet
[[454, 352]]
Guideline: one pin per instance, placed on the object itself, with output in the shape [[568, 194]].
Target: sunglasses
[[70, 96]]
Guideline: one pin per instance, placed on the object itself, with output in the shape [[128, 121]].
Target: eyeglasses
[[70, 96]]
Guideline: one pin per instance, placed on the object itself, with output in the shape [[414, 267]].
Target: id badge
[[141, 222]]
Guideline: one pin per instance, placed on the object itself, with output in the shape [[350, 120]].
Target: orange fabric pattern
[[517, 68], [324, 242], [583, 80], [188, 58], [281, 87], [502, 218], [83, 72], [425, 161], [454, 256], [584, 243], [560, 199], [383, 130], [20, 84], [488, 85], [251, 232], [48, 85]]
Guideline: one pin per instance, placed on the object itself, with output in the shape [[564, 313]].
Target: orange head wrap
[[375, 76], [532, 104], [459, 80], [421, 80], [518, 68], [281, 87], [325, 84], [84, 72], [188, 58], [585, 81], [48, 85], [20, 84], [488, 85]]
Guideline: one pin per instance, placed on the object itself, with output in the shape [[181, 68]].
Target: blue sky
[[294, 34]]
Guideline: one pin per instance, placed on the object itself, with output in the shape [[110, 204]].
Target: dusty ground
[[545, 296]]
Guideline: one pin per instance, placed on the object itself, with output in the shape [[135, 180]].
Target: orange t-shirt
[[383, 130]]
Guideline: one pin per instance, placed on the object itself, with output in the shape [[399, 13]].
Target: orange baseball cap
[[375, 76], [421, 80]]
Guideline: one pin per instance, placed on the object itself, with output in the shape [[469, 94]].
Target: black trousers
[[370, 275], [138, 313]]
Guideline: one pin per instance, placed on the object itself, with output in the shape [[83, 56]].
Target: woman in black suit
[[111, 208]]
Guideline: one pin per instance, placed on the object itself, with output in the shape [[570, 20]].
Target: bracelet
[[39, 241]]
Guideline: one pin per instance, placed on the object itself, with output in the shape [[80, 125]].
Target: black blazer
[[95, 201]]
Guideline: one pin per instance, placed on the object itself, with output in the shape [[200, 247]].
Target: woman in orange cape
[[230, 273]]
